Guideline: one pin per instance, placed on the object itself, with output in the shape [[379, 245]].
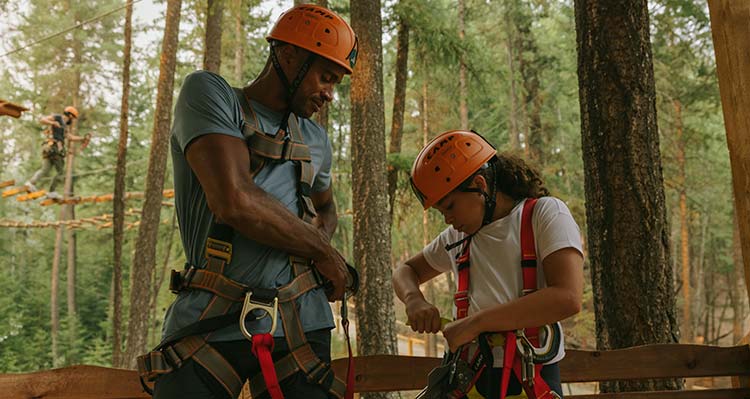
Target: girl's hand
[[460, 332], [423, 316]]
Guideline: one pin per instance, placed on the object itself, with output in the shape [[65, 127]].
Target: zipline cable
[[98, 17]]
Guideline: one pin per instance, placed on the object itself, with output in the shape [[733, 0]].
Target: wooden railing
[[401, 373]]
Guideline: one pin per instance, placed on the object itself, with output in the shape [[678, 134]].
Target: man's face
[[317, 87]]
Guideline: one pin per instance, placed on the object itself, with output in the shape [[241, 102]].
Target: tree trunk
[[118, 202], [514, 141], [322, 115], [399, 104], [212, 44], [239, 48], [145, 248], [530, 69], [376, 329], [54, 289], [730, 30], [687, 319], [625, 206], [463, 91], [738, 303]]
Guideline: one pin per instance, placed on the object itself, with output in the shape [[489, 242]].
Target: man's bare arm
[[327, 219], [222, 165]]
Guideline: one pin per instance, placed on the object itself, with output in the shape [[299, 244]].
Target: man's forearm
[[260, 217], [327, 219]]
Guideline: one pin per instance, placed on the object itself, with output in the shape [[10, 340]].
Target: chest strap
[[520, 345], [228, 294], [281, 147]]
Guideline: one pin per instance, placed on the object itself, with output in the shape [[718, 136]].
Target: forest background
[[509, 73]]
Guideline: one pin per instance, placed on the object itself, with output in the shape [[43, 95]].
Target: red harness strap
[[538, 389], [262, 347]]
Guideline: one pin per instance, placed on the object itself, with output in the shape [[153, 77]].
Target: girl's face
[[464, 211]]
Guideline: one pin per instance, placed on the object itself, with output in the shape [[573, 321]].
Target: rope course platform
[[99, 222], [28, 196]]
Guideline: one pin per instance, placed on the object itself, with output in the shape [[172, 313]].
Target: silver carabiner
[[522, 342], [250, 305]]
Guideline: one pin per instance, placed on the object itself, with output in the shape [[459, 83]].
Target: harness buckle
[[270, 309], [219, 249], [286, 149], [179, 280]]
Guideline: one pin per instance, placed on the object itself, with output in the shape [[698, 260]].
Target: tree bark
[[145, 248], [399, 104], [212, 44], [376, 332], [625, 206], [239, 48], [118, 202]]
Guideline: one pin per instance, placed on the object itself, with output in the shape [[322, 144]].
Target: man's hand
[[56, 124], [423, 316], [333, 268]]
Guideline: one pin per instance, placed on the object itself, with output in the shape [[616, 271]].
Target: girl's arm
[[563, 271], [422, 315]]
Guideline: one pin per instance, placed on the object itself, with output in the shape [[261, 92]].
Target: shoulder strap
[[528, 247]]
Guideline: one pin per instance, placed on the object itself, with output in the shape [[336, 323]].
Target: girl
[[482, 196]]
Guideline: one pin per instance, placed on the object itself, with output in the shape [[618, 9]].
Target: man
[[239, 214], [53, 151]]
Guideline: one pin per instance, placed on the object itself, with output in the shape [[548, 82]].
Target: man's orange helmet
[[320, 31], [446, 162], [72, 111]]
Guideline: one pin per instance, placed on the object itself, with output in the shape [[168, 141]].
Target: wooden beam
[[402, 373], [697, 394], [11, 109], [730, 30], [81, 382]]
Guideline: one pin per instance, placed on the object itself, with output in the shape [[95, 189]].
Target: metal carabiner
[[541, 353], [250, 305]]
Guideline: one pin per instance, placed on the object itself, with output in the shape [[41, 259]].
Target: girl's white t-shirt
[[495, 274]]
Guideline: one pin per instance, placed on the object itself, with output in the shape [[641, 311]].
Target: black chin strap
[[489, 199], [290, 88]]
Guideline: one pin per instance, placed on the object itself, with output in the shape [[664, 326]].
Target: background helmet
[[445, 162], [320, 31], [72, 111]]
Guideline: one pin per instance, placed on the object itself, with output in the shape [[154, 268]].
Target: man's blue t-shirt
[[208, 105]]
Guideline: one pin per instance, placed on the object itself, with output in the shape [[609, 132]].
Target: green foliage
[[43, 77]]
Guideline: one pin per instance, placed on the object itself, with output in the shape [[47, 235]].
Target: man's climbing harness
[[192, 341], [523, 355]]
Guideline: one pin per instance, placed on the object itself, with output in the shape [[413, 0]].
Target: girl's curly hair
[[514, 178]]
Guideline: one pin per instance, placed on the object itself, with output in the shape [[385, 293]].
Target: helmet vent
[[328, 30], [468, 144], [448, 179], [317, 44], [437, 169]]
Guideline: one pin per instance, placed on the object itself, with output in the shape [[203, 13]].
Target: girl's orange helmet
[[446, 161], [320, 31]]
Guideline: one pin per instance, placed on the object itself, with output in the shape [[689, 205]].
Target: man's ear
[[288, 54]]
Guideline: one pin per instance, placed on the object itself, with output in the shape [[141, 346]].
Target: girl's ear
[[480, 182]]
